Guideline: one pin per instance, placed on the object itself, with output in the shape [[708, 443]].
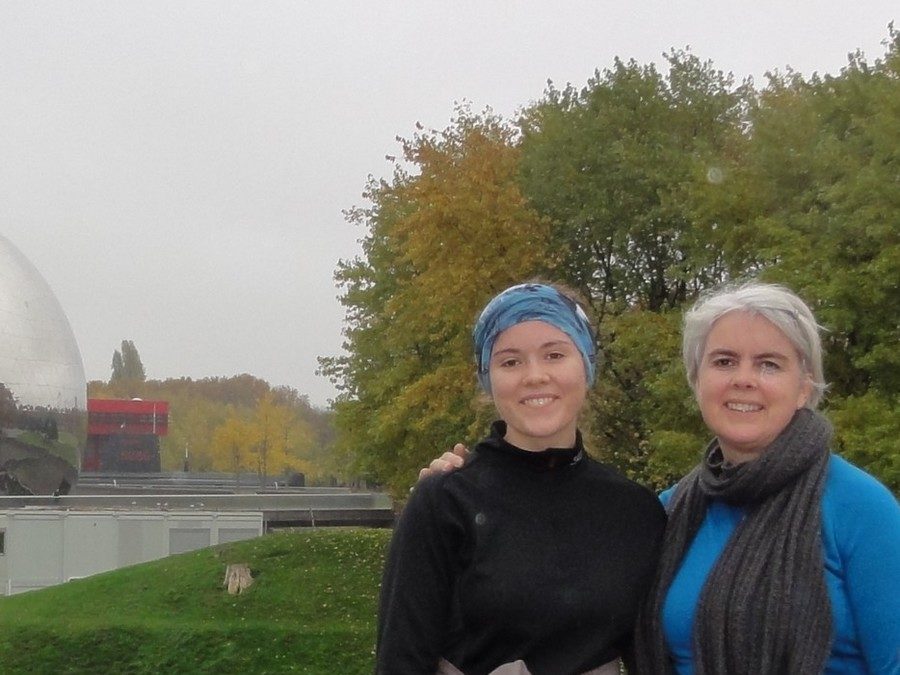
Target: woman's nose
[[744, 376], [536, 372]]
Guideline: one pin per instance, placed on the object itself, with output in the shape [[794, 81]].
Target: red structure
[[123, 435]]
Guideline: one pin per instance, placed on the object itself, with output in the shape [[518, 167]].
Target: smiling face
[[749, 384], [538, 385]]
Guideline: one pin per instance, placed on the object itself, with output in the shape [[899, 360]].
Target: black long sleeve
[[542, 557]]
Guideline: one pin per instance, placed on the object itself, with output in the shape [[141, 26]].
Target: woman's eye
[[508, 363], [769, 366], [556, 355], [723, 361]]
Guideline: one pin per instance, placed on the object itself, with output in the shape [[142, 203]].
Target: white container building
[[41, 547]]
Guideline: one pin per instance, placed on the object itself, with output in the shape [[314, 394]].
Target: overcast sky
[[177, 171]]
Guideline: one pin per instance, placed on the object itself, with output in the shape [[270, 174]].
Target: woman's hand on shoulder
[[446, 463]]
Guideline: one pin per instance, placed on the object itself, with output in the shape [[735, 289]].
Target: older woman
[[779, 557], [533, 558]]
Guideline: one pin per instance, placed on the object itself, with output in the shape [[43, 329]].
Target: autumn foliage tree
[[233, 440], [276, 435], [449, 230]]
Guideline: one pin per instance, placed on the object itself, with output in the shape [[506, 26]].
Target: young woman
[[532, 558]]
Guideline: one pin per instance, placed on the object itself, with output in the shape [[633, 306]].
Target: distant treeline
[[235, 424]]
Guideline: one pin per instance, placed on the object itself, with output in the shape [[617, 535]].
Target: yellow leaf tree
[[441, 242], [232, 443], [280, 439]]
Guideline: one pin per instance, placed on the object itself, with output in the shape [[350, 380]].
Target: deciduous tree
[[448, 231], [826, 155], [232, 443], [278, 439], [638, 173], [127, 365]]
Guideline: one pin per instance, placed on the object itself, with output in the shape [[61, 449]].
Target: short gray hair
[[787, 312]]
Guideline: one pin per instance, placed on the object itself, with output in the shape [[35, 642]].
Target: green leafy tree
[[825, 158], [623, 169], [867, 429], [831, 151], [637, 173], [118, 367], [441, 240], [643, 416], [8, 407], [127, 365]]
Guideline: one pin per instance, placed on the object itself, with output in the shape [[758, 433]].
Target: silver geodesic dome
[[42, 384]]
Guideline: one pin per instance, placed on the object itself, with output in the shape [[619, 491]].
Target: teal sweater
[[861, 536]]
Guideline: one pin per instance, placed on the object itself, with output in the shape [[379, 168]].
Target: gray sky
[[177, 170]]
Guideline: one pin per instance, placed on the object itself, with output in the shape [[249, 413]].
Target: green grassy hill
[[311, 609]]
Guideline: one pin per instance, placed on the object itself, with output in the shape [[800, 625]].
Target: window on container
[[2, 541]]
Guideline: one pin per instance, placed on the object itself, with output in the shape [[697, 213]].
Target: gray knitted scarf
[[764, 608]]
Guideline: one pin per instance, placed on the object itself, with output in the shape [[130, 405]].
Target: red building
[[123, 435]]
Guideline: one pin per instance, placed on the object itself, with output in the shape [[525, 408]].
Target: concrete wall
[[44, 547]]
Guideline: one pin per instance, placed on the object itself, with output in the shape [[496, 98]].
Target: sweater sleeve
[[417, 586], [867, 531], [666, 496]]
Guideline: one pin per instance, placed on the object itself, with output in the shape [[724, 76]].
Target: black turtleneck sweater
[[538, 556]]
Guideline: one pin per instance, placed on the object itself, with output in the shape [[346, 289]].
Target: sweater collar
[[545, 460]]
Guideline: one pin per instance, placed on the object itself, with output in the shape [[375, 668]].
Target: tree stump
[[237, 578]]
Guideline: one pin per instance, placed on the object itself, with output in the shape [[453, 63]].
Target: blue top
[[861, 535]]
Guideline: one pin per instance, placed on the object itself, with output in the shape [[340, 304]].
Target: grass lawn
[[311, 609]]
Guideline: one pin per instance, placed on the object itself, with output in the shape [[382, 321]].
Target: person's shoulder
[[438, 483], [614, 479], [855, 502], [434, 485], [860, 516], [439, 493], [603, 471], [848, 485], [845, 480]]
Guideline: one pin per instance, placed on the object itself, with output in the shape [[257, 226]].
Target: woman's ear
[[806, 389]]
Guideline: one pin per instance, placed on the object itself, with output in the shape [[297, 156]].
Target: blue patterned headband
[[532, 302]]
